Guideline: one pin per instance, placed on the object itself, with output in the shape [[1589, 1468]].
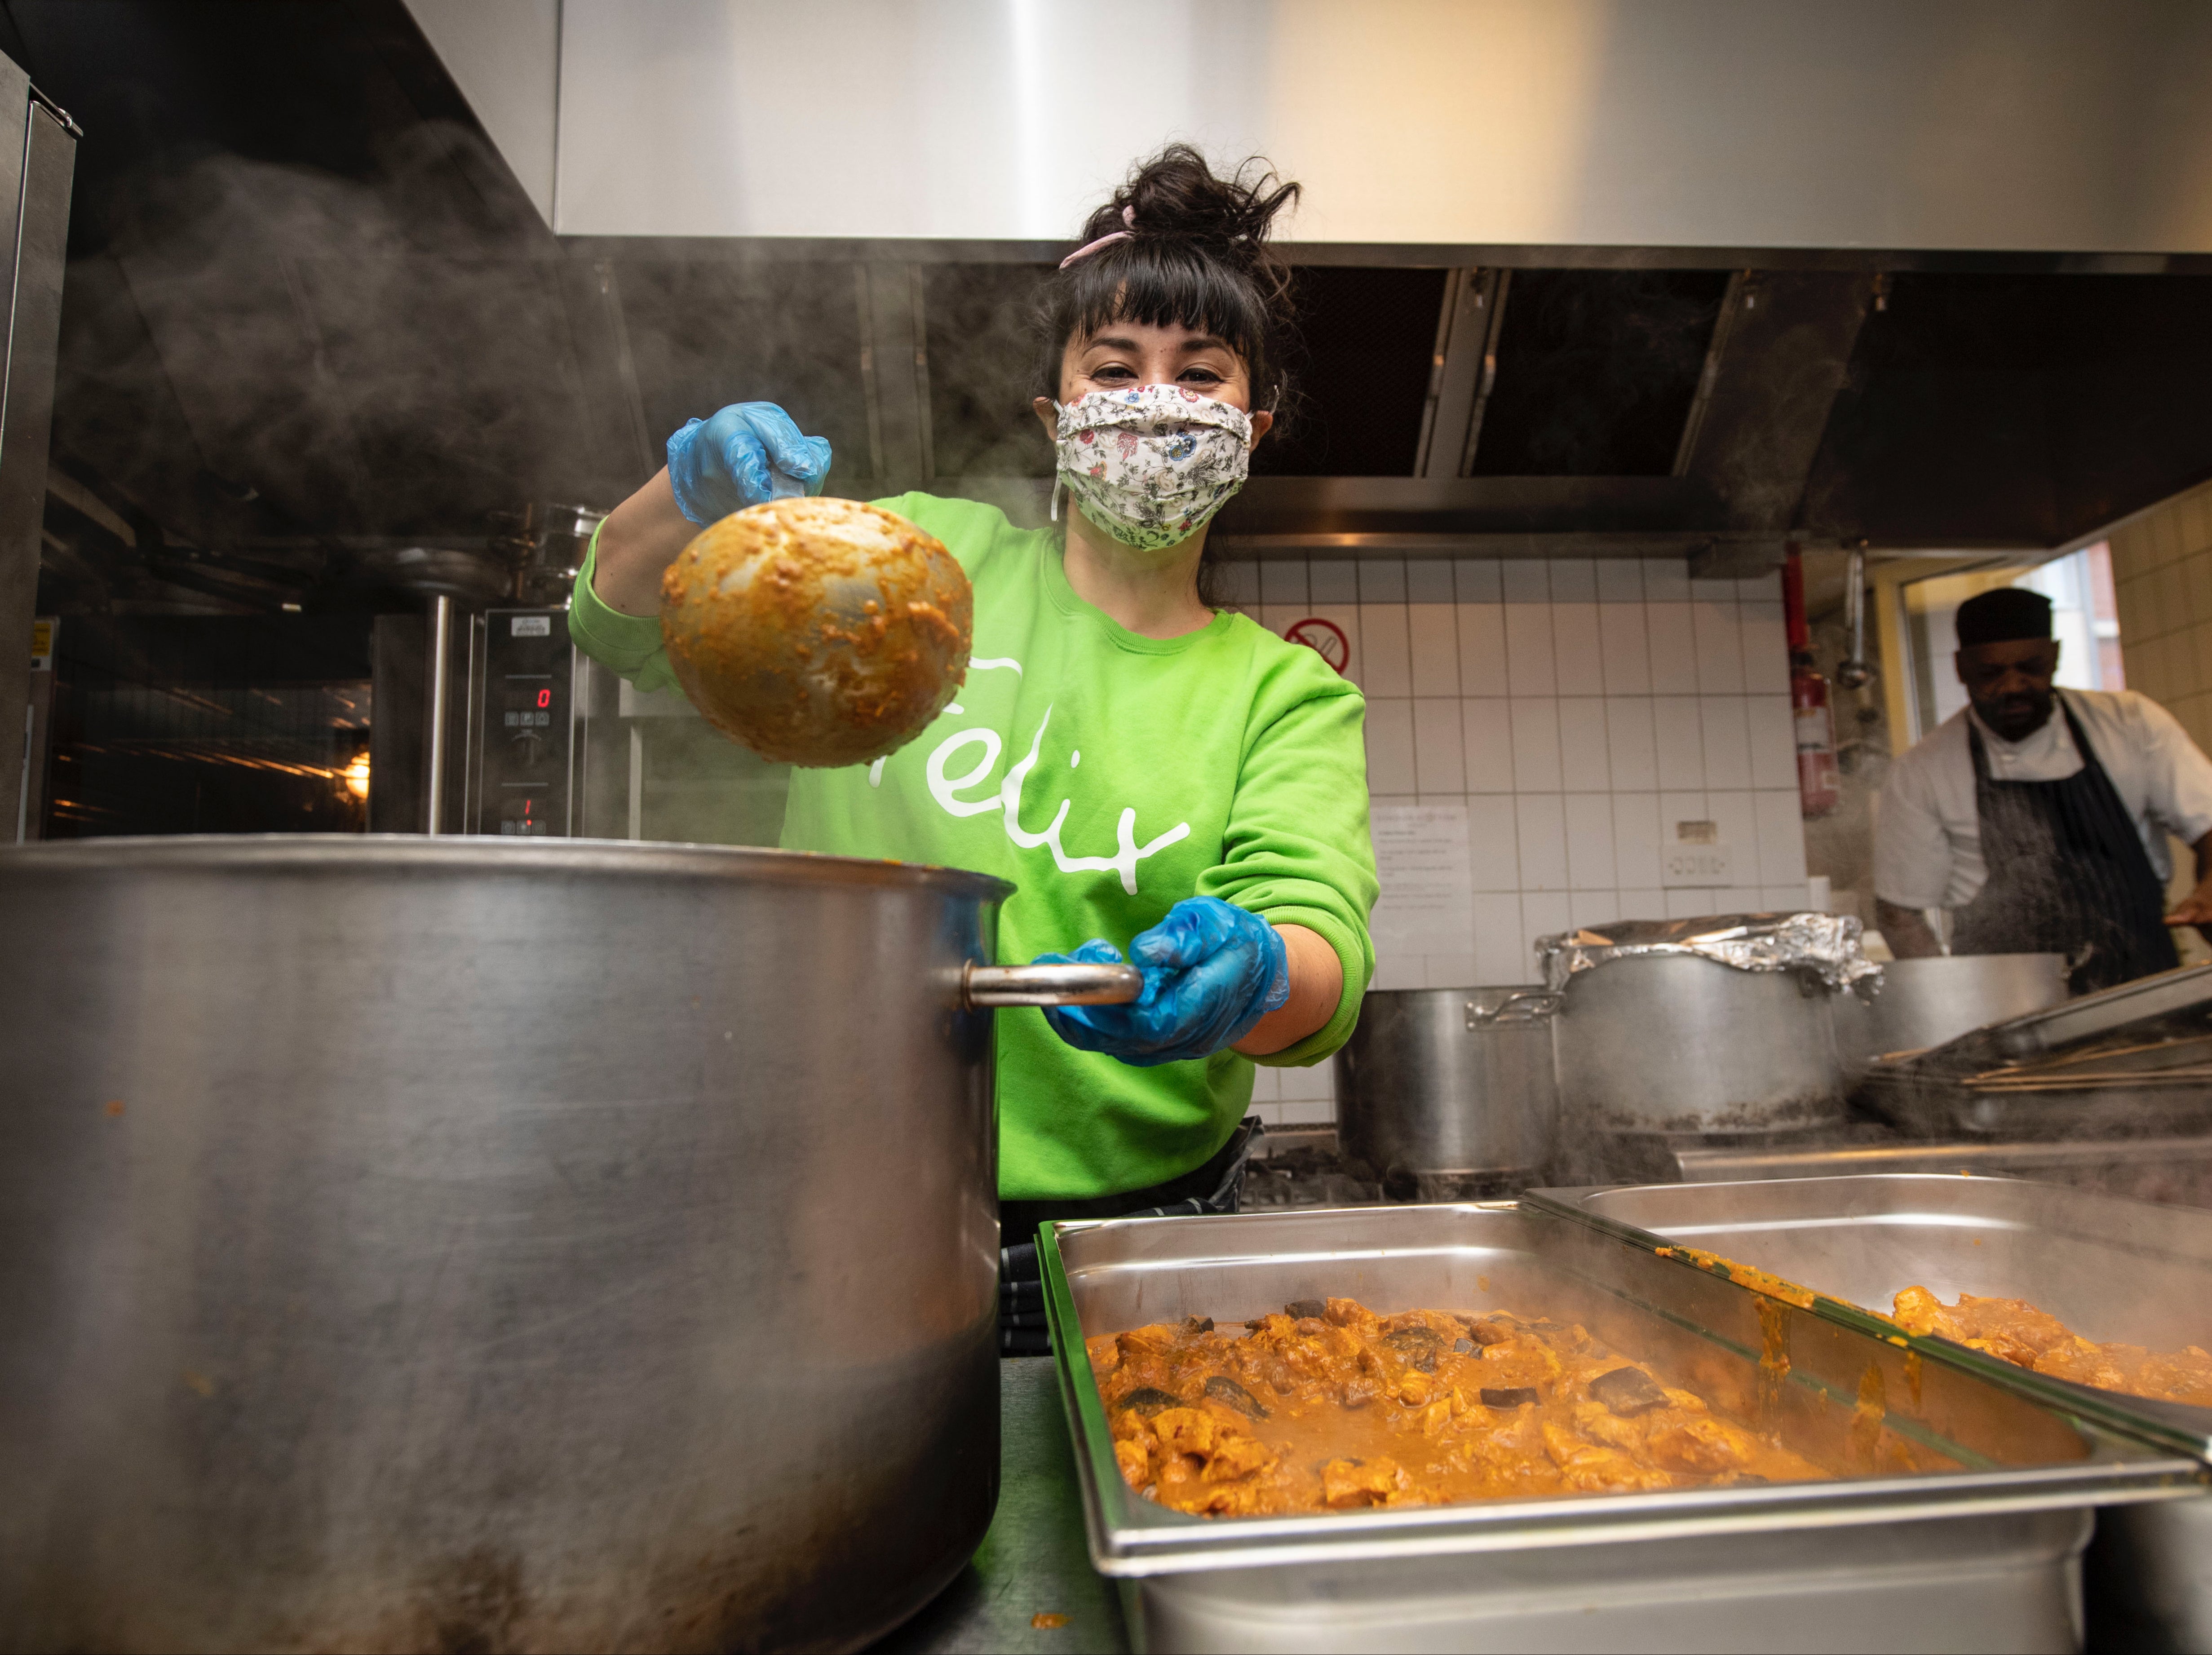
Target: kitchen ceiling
[[310, 310]]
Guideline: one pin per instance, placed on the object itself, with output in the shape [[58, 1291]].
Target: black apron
[[1215, 1187], [2068, 874]]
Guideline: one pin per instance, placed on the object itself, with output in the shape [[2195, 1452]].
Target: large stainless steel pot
[[1925, 1002], [1450, 1083], [1673, 1045], [411, 1243]]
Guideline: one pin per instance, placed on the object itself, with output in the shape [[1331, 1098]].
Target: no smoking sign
[[1325, 638]]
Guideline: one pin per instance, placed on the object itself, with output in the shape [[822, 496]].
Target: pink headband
[[1128, 217]]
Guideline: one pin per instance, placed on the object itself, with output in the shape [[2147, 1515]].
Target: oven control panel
[[524, 744]]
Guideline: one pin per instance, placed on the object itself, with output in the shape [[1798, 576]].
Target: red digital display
[[545, 697]]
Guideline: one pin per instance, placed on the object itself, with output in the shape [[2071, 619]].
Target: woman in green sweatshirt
[[1151, 773]]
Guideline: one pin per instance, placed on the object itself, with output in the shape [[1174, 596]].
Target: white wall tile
[[1592, 908], [1584, 765], [1432, 632], [1528, 648], [1673, 631], [1632, 761], [1760, 588], [1765, 648], [1320, 1112], [1439, 757], [1481, 649], [1590, 841], [1475, 580], [1451, 970], [1574, 580], [1689, 904], [1739, 899], [1333, 581], [1623, 646], [1308, 1094], [1383, 580], [1486, 726], [1429, 581], [1781, 837], [1577, 650], [1773, 741], [1727, 741], [1394, 970], [1283, 581], [1647, 904], [1785, 898], [1500, 958], [1278, 618], [1620, 580], [1265, 1089], [1390, 747], [1720, 643], [1542, 915], [1636, 838], [1678, 737], [1240, 584], [1535, 746], [1493, 843], [1712, 592], [1734, 813], [1526, 579], [1386, 662], [1540, 823], [1666, 581]]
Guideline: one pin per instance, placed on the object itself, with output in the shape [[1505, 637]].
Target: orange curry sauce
[[2020, 1334], [1326, 1405]]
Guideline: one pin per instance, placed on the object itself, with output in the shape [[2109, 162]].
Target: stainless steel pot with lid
[[1450, 1084], [1924, 1002], [1715, 1027], [429, 1243]]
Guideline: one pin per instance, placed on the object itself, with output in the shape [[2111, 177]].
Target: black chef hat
[[2002, 616]]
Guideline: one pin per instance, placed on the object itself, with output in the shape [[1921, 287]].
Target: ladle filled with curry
[[1326, 1406]]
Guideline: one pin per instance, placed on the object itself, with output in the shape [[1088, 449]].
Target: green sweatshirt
[[1107, 775]]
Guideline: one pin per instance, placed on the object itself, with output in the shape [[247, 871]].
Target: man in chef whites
[[2038, 815]]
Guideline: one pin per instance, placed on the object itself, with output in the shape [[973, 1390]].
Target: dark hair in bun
[[1197, 256]]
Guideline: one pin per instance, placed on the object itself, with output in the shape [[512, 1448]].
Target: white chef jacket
[[1928, 834]]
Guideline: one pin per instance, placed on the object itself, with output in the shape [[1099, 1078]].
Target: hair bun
[[1176, 194]]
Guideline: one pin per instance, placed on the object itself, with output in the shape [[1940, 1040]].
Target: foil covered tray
[[1979, 1555]]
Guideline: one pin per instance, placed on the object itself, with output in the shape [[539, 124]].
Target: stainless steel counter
[[1034, 1561]]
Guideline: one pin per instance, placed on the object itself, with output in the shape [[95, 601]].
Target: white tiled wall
[[1579, 709]]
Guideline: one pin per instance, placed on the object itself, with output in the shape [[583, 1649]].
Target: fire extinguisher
[[1819, 787]]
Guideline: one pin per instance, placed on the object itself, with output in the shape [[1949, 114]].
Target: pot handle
[[1514, 1008], [983, 986]]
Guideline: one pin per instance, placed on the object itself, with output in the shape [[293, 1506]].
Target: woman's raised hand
[[748, 453]]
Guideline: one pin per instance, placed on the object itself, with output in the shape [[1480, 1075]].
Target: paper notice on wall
[[1427, 905]]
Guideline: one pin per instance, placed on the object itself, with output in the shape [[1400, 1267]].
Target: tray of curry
[[2091, 1304], [1421, 1381]]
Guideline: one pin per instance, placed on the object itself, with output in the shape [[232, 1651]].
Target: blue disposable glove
[[748, 453], [1211, 970]]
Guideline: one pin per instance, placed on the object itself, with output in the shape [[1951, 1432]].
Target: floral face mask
[[1150, 466]]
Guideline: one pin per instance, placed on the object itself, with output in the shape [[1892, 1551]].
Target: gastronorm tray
[[2131, 1060], [2111, 1269], [1980, 1555]]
